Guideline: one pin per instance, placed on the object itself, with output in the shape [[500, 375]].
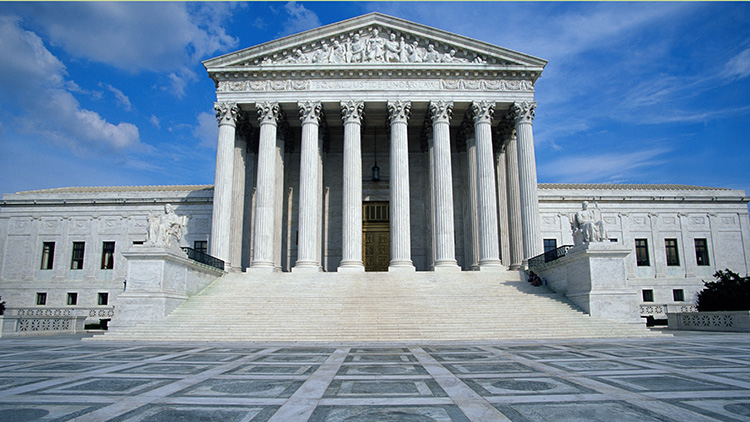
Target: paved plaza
[[688, 377]]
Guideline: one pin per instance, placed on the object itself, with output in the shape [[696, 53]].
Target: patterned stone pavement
[[692, 377]]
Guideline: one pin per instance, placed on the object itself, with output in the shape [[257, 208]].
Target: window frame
[[552, 242], [642, 258], [74, 296], [48, 256], [201, 246], [647, 295], [701, 252], [77, 255], [672, 251], [108, 256], [41, 298], [100, 296], [678, 295]]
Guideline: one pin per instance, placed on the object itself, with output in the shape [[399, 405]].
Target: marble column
[[502, 202], [515, 233], [445, 252], [265, 202], [352, 113], [530, 221], [427, 136], [226, 114], [472, 228], [489, 246], [309, 177], [243, 133], [398, 114]]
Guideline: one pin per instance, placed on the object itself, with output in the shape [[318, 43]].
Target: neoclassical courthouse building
[[369, 145]]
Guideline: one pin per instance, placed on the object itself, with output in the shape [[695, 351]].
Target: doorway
[[376, 236]]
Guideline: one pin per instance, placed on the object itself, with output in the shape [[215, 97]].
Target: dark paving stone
[[387, 358], [629, 353], [107, 386], [577, 412], [242, 388], [663, 382], [388, 413], [125, 356], [7, 382], [22, 414], [292, 358], [234, 350], [379, 350], [392, 369], [384, 388], [526, 348], [554, 354], [73, 367], [453, 357], [695, 363], [523, 386], [489, 368], [295, 350], [252, 369], [198, 413], [205, 357], [593, 365], [57, 412], [465, 349], [167, 368], [160, 349]]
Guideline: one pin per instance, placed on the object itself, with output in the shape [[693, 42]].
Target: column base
[[351, 267], [491, 265], [306, 267], [261, 268], [514, 267], [447, 267], [399, 266]]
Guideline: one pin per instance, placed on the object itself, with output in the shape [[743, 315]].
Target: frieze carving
[[352, 111], [226, 113], [247, 86], [373, 47], [441, 111], [503, 85], [399, 111]]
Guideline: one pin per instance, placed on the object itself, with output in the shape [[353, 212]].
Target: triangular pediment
[[374, 40]]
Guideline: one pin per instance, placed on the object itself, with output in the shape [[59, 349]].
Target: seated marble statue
[[165, 229], [587, 227]]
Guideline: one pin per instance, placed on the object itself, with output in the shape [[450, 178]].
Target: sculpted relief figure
[[393, 49], [338, 54], [375, 47], [588, 226], [432, 56], [165, 229], [357, 50], [322, 54]]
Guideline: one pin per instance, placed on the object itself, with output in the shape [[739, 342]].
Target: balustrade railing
[[204, 258], [540, 260], [661, 309]]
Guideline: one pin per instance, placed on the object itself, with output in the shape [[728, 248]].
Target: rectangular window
[[108, 255], [41, 298], [641, 253], [550, 245], [76, 262], [678, 295], [103, 298], [673, 258], [701, 252], [48, 255], [648, 295], [201, 246], [72, 299]]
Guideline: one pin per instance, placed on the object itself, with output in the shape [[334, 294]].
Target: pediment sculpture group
[[373, 48]]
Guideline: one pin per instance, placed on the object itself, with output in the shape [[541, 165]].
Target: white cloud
[[136, 36], [207, 130], [738, 67], [600, 167], [179, 80], [33, 80], [155, 121], [299, 19], [121, 98]]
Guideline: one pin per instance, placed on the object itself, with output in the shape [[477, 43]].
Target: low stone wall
[[19, 322], [709, 321]]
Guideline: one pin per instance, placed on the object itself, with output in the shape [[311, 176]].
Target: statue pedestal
[[159, 279], [593, 276]]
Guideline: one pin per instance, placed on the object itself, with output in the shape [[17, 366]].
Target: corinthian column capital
[[441, 111], [399, 111], [227, 113], [523, 112], [482, 111], [268, 112], [352, 111], [310, 112]]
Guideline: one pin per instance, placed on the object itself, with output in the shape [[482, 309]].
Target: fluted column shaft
[[515, 232], [489, 247], [399, 113], [352, 113], [226, 114], [309, 202], [445, 254], [265, 201], [473, 191], [502, 204], [532, 238], [238, 203]]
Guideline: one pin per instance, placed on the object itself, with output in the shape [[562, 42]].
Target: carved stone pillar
[[523, 114], [515, 233], [226, 114], [502, 201], [352, 112], [489, 247], [241, 140], [445, 253], [399, 113], [428, 140], [472, 216], [265, 202], [309, 177]]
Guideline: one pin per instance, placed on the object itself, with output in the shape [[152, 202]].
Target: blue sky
[[110, 93]]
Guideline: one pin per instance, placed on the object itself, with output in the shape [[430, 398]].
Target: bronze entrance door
[[376, 236]]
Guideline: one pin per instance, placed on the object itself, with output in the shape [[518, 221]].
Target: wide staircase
[[402, 307]]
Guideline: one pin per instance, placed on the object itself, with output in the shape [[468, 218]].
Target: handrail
[[549, 256], [204, 258]]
